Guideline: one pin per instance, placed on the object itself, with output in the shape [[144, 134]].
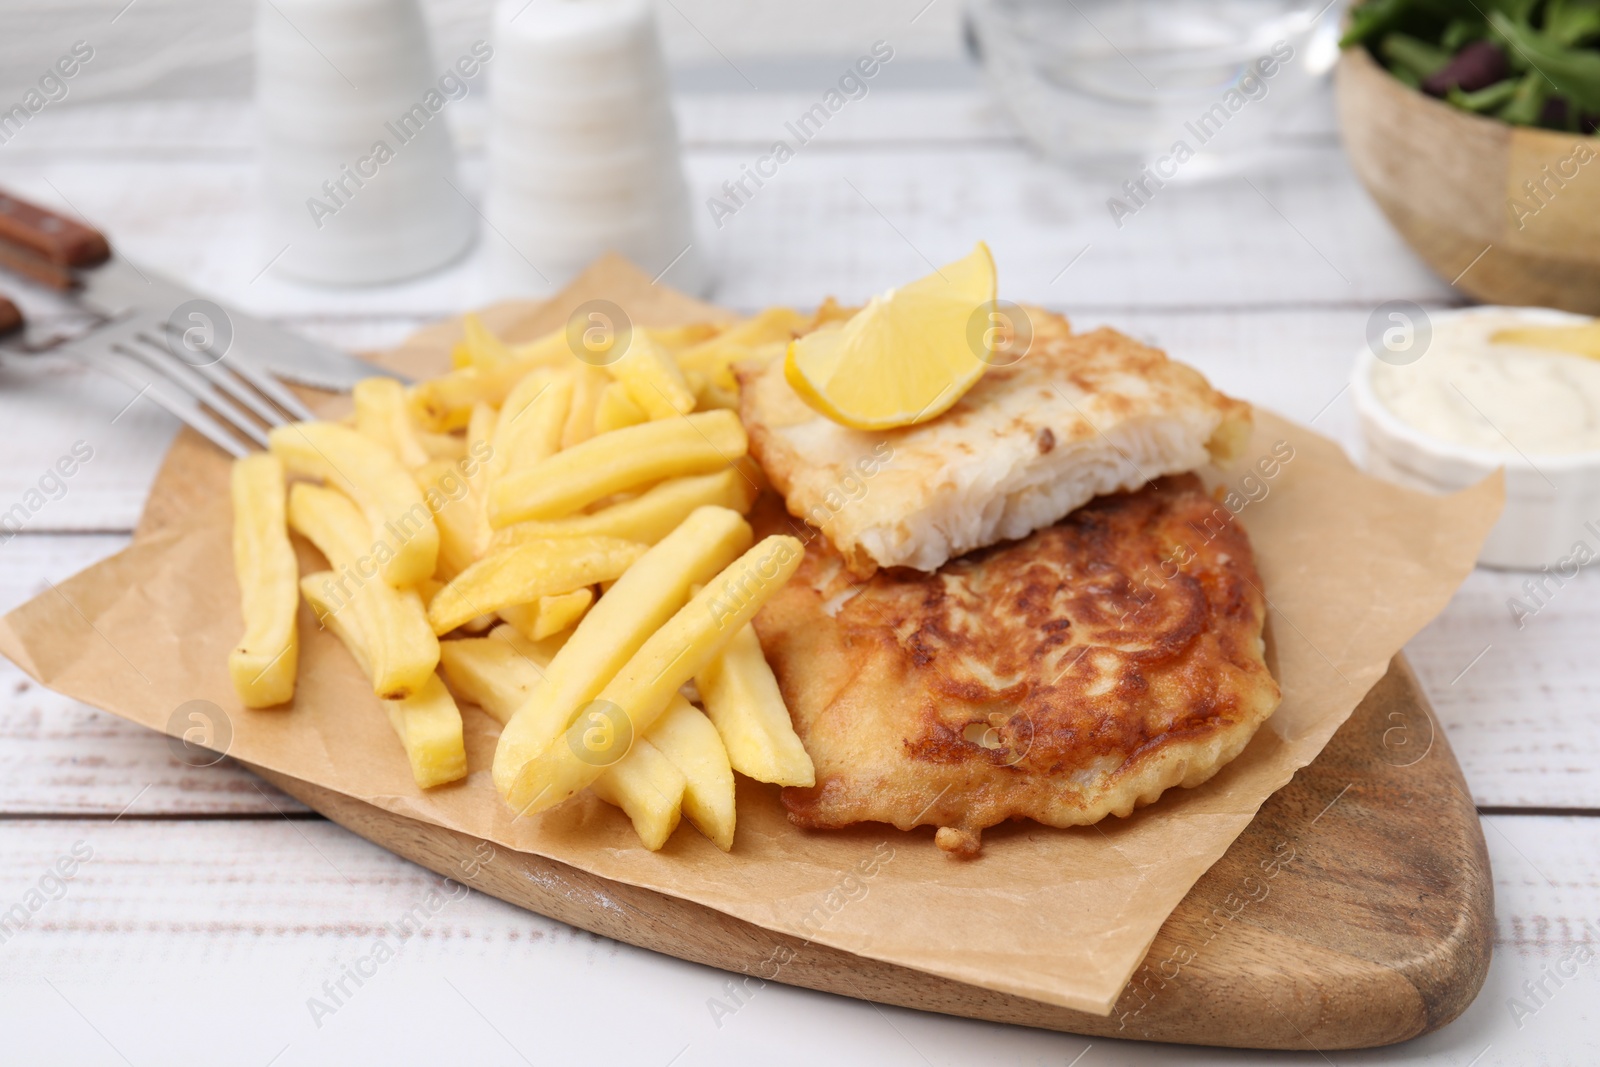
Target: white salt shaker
[[583, 148], [357, 162]]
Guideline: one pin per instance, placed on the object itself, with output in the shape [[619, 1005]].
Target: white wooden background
[[213, 907]]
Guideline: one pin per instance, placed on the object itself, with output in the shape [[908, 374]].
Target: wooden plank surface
[[60, 757], [1292, 236], [201, 942]]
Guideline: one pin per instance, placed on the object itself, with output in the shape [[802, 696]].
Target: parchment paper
[[1352, 567]]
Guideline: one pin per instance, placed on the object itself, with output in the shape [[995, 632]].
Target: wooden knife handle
[[54, 238], [27, 262], [10, 317]]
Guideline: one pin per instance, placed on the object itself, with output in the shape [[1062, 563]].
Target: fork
[[216, 368], [225, 398]]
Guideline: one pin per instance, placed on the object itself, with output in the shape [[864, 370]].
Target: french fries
[[652, 379], [481, 429], [444, 404], [742, 700], [427, 588], [549, 614], [481, 424], [457, 513], [498, 673], [530, 422], [587, 385], [643, 599], [427, 721], [525, 572], [715, 357], [401, 648], [617, 409], [670, 657], [829, 311], [401, 529], [586, 517], [262, 665], [708, 395], [553, 349], [483, 348], [677, 338], [649, 788], [599, 337], [382, 415], [428, 724], [441, 445], [456, 494], [560, 612], [648, 517], [616, 462], [489, 370], [686, 737]]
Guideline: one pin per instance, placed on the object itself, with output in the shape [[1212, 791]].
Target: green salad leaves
[[1527, 62]]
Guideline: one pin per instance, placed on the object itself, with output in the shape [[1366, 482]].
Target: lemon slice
[[907, 356], [1581, 340]]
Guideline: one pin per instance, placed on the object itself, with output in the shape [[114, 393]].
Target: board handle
[[44, 235]]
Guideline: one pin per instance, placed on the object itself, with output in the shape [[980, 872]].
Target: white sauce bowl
[[1552, 501]]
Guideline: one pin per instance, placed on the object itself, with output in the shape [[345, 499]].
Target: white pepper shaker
[[583, 149], [357, 161]]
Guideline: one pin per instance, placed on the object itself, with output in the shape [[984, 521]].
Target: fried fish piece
[[1074, 674], [1078, 416]]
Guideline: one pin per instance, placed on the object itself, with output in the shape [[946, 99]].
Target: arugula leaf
[[1574, 72], [1486, 99], [1419, 57], [1462, 32], [1527, 102], [1571, 22], [1371, 19]]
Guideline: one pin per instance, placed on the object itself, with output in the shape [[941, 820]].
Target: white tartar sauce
[[1468, 390]]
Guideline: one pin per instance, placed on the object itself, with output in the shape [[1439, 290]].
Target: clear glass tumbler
[[1115, 85]]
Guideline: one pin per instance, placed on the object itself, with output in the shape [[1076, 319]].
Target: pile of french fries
[[559, 540]]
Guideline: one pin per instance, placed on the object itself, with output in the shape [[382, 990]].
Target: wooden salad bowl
[[1457, 187]]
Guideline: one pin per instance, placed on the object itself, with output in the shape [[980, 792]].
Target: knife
[[78, 261]]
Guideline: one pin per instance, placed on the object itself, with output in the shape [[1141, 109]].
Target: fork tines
[[224, 396]]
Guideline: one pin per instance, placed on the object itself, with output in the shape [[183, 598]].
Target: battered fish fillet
[[1080, 415], [1071, 675]]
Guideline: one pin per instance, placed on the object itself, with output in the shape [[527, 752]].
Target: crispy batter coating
[[1076, 673], [1080, 415]]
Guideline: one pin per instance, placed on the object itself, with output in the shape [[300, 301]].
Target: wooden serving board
[[1356, 910]]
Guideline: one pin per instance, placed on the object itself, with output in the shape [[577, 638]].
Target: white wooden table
[[213, 908]]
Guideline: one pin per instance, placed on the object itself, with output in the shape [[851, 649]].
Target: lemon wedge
[[1581, 340], [907, 356]]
